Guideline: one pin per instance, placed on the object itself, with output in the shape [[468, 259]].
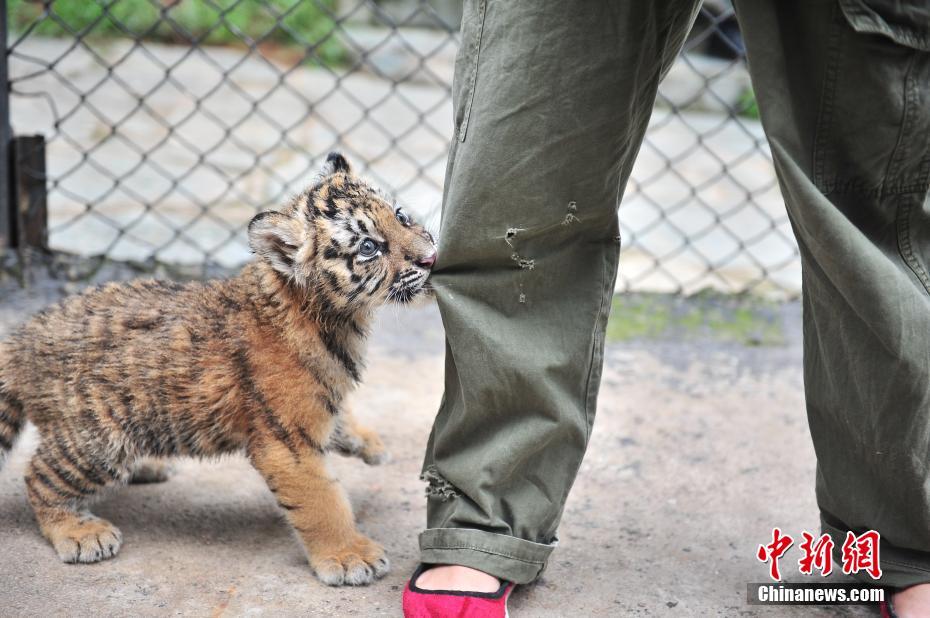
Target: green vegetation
[[711, 316], [286, 23], [747, 106]]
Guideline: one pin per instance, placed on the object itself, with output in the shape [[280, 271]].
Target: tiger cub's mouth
[[411, 284]]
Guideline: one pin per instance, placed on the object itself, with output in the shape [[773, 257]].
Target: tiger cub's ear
[[277, 239], [335, 162]]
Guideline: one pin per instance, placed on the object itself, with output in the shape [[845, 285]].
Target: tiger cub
[[259, 363]]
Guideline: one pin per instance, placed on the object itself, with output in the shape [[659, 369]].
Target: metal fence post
[[6, 169], [30, 196]]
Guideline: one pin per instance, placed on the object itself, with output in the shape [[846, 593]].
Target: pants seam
[[605, 294], [905, 564], [905, 248], [487, 551], [482, 10], [895, 165], [825, 115], [899, 154]]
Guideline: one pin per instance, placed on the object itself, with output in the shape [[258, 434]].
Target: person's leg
[[551, 102], [844, 94]]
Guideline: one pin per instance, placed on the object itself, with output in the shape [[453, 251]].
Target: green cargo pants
[[551, 100]]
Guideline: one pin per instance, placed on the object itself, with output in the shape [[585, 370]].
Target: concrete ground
[[700, 448]]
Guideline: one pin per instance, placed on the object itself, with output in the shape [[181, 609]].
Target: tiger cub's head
[[342, 239]]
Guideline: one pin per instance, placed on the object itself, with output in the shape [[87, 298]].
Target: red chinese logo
[[817, 554], [860, 553], [774, 550]]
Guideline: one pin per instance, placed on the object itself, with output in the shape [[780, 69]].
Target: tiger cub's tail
[[12, 419]]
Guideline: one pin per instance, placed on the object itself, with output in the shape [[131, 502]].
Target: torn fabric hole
[[570, 216], [437, 486]]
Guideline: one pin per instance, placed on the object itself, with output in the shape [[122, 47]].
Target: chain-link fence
[[169, 123]]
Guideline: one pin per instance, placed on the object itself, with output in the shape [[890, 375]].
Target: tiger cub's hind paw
[[354, 440], [373, 451]]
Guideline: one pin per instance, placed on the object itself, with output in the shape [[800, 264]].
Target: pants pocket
[[906, 23], [873, 127], [905, 26]]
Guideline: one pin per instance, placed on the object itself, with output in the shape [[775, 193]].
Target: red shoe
[[886, 607], [419, 603]]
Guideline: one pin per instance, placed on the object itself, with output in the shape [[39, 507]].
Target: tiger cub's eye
[[368, 248], [403, 217]]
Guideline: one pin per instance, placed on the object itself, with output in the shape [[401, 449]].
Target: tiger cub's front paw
[[356, 563], [88, 539]]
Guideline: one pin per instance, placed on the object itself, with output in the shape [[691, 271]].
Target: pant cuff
[[901, 568], [505, 557]]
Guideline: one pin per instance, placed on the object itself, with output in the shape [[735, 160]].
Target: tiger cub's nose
[[428, 261]]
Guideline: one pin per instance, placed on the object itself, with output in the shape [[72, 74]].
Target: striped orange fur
[[259, 363]]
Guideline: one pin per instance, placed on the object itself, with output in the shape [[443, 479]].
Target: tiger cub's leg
[[59, 481], [150, 470], [316, 506], [354, 439]]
